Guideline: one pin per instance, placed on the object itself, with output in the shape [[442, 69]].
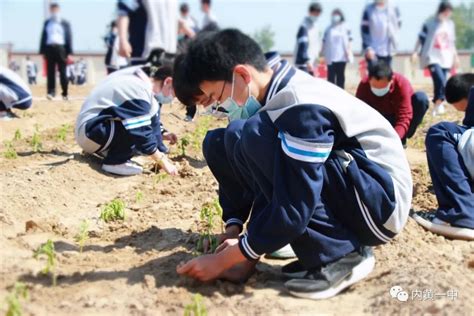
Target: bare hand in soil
[[231, 232], [204, 268], [172, 138]]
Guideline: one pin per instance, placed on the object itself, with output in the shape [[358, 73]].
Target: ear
[[244, 72], [168, 81]]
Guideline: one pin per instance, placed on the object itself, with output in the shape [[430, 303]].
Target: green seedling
[[183, 143], [158, 178], [138, 197], [113, 211], [197, 307], [210, 217], [47, 250], [19, 291], [83, 235], [63, 131], [10, 152], [36, 143], [17, 135]]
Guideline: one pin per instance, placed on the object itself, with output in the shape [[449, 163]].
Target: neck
[[263, 80]]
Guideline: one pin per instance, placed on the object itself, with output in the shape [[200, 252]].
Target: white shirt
[[379, 32], [55, 33], [443, 45], [336, 41], [208, 19], [31, 69], [162, 26]]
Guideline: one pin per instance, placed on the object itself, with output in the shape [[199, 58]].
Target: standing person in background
[[437, 41], [147, 25], [209, 22], [187, 28], [56, 46], [307, 40], [80, 69], [380, 26], [337, 48], [31, 71], [113, 61]]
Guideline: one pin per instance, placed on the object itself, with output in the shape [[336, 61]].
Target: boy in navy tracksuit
[[121, 119], [307, 40], [14, 94], [302, 162], [450, 151]]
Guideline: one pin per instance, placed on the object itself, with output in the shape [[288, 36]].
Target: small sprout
[[17, 135], [183, 143], [62, 133], [19, 291], [138, 197], [83, 234], [47, 250], [36, 142], [10, 152], [208, 214], [158, 178], [113, 211], [197, 307]]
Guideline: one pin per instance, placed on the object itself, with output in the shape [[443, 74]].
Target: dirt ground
[[128, 268]]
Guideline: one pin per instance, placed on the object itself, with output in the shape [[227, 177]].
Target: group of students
[[304, 168], [381, 22]]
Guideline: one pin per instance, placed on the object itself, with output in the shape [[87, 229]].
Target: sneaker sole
[[295, 275], [444, 230], [359, 272]]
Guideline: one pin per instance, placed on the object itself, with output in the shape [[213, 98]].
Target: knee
[[420, 100], [24, 105], [211, 146], [233, 133], [438, 134]]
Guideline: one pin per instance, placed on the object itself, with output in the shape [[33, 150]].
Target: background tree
[[265, 37], [463, 17]]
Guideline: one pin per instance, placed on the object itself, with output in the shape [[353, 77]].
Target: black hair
[[185, 89], [113, 24], [315, 7], [158, 73], [380, 70], [444, 6], [206, 2], [212, 56], [184, 8], [339, 11], [458, 87], [53, 5]]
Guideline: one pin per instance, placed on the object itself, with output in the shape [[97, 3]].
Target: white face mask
[[336, 19], [380, 92]]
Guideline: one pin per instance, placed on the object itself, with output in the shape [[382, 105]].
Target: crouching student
[[392, 95], [302, 162], [121, 119], [14, 94], [450, 151]]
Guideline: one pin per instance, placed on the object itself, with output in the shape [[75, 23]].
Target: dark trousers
[[31, 80], [21, 106], [56, 57], [452, 184], [440, 77], [340, 222], [336, 74]]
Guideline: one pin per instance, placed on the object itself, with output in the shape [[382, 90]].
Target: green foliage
[[36, 142], [18, 135], [19, 291], [63, 131], [265, 37], [138, 196], [210, 217], [48, 251], [463, 17], [158, 178], [196, 307], [183, 143], [83, 234], [113, 211], [10, 152]]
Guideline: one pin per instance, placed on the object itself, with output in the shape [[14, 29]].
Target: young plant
[[210, 217], [183, 143], [83, 234], [10, 152], [17, 135], [196, 307], [158, 178], [63, 131], [138, 197], [36, 143], [113, 211], [19, 291], [47, 250]]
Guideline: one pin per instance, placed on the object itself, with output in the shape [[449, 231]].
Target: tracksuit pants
[[336, 74], [355, 201], [452, 183], [56, 56], [440, 77]]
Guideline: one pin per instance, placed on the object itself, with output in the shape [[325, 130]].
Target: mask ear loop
[[233, 83]]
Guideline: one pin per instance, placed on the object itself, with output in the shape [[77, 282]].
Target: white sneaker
[[435, 225], [5, 116], [439, 109], [50, 97], [125, 169], [283, 253]]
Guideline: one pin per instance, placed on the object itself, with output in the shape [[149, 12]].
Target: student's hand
[[125, 49], [226, 244], [231, 232], [204, 268], [370, 54], [172, 138], [169, 167]]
